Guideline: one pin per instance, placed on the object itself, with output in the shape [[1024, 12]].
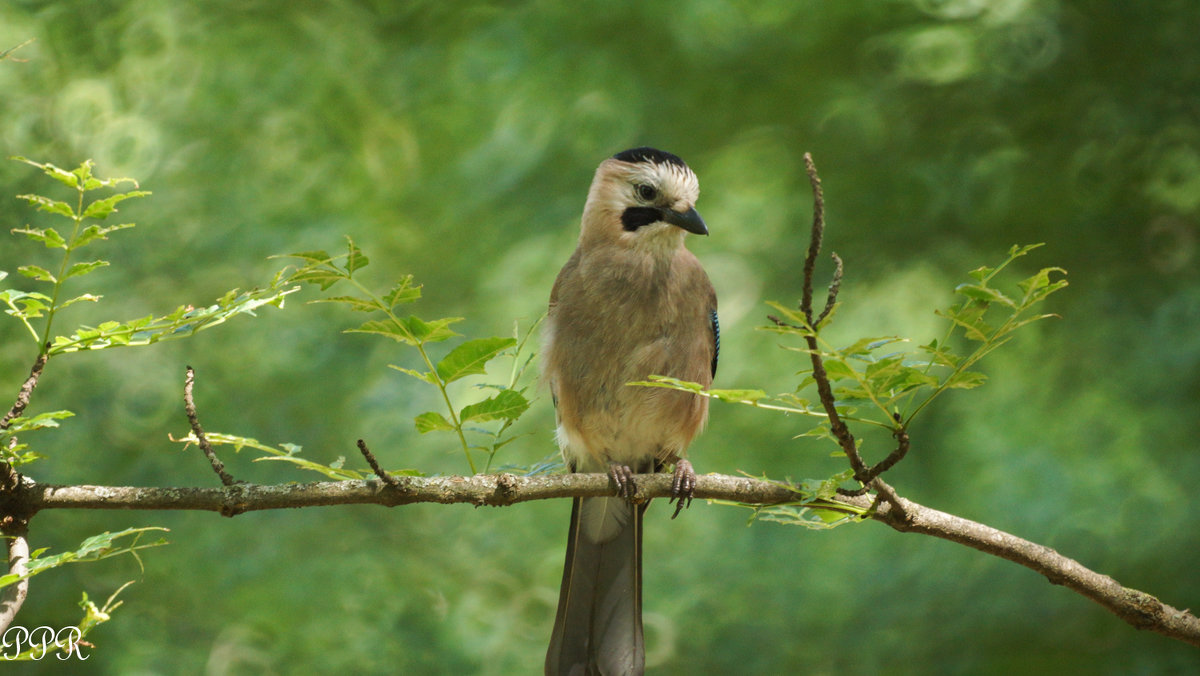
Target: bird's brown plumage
[[630, 302]]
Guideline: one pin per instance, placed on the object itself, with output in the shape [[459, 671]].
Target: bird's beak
[[688, 220]]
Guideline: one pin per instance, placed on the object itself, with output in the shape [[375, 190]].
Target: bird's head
[[642, 198]]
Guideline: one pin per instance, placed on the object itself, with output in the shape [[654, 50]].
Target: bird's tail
[[598, 628]]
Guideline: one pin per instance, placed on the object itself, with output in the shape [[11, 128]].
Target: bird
[[632, 301]]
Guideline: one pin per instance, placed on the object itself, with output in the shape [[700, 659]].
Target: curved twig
[[189, 407], [380, 472]]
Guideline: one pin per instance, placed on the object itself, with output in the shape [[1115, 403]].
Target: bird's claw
[[622, 476], [683, 486]]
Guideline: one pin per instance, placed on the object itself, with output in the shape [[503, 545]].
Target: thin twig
[[834, 286], [895, 456], [380, 472], [189, 407], [824, 389], [814, 244], [26, 392], [7, 54]]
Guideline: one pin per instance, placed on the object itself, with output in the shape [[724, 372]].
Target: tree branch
[[1139, 609], [25, 392], [189, 408], [12, 597], [495, 490]]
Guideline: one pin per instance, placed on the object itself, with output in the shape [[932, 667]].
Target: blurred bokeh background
[[456, 141]]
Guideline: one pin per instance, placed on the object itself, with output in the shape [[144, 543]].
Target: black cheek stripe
[[635, 217]]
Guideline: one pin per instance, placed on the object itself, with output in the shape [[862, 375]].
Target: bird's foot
[[683, 486], [622, 476]]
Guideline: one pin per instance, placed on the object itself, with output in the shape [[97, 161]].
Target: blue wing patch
[[716, 327]]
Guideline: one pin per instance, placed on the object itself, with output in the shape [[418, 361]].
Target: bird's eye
[[646, 192]]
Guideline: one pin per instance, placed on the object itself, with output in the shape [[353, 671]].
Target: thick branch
[[1135, 607], [1138, 608], [482, 489]]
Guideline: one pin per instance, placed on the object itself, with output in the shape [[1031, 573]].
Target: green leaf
[[82, 297], [838, 369], [939, 355], [471, 357], [386, 328], [322, 277], [791, 316], [986, 294], [506, 405], [94, 232], [893, 374], [355, 304], [100, 209], [32, 303], [39, 273], [432, 331], [1039, 286], [402, 292], [432, 421], [60, 175], [423, 376], [37, 422], [183, 322], [355, 260], [49, 205], [864, 346], [965, 380], [981, 273], [83, 268], [335, 473], [83, 175], [738, 396], [970, 318], [97, 547], [49, 237], [669, 383], [317, 256], [1017, 250]]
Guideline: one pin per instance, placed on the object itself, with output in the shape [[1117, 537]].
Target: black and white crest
[[653, 155]]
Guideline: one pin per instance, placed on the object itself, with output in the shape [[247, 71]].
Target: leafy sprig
[[26, 306], [877, 383], [469, 358], [94, 548], [895, 385], [38, 310]]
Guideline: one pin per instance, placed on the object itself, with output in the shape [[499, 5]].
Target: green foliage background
[[456, 141]]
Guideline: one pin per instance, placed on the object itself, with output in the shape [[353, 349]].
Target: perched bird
[[631, 302]]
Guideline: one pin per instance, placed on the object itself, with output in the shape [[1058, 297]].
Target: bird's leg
[[683, 485], [622, 476]]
